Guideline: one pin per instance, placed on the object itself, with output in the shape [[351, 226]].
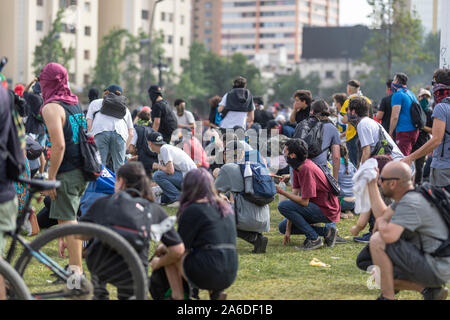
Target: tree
[[50, 49], [397, 38], [284, 86]]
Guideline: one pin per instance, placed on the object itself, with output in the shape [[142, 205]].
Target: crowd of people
[[343, 160]]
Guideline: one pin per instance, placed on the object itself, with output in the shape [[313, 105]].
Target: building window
[[40, 3], [39, 25], [169, 39], [163, 16], [181, 41], [329, 75], [87, 6], [86, 79], [72, 77], [87, 31], [182, 19], [145, 14], [87, 54], [67, 3]]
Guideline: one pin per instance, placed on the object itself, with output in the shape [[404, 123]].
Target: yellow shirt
[[351, 130]]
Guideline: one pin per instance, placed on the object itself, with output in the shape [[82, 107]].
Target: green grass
[[284, 273]]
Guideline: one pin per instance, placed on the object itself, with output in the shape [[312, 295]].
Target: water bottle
[[248, 179], [282, 186]]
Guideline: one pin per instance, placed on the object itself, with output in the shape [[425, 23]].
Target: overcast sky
[[353, 12]]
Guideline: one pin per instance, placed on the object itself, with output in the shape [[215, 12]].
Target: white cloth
[[186, 119], [104, 123], [180, 160], [366, 173], [233, 118]]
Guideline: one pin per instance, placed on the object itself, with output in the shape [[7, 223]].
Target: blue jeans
[[347, 206], [353, 150], [288, 131], [302, 218], [111, 143], [170, 185]]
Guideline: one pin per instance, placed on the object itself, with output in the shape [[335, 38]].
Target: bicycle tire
[[105, 235], [17, 288]]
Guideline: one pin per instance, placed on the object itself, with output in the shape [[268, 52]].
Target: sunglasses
[[389, 179]]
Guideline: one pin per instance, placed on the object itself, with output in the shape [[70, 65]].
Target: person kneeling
[[316, 204]]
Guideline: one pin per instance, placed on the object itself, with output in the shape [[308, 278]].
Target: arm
[[362, 222], [294, 196], [167, 255], [365, 154], [394, 118], [336, 154], [168, 168], [156, 124], [250, 118], [287, 235], [379, 208], [293, 115], [130, 137], [380, 115], [438, 133], [220, 109], [43, 162], [89, 124], [390, 232], [27, 88]]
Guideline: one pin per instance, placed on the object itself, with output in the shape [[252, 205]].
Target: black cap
[[156, 138], [155, 89]]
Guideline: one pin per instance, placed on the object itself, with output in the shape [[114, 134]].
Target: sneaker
[[311, 244], [364, 239], [260, 244], [435, 293], [176, 204], [330, 239], [340, 240]]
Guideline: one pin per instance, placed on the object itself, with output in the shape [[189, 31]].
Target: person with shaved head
[[406, 234]]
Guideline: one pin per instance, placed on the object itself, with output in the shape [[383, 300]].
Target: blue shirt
[[404, 98], [441, 155], [346, 180]]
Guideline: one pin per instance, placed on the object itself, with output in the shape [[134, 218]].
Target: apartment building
[[259, 26], [172, 17], [25, 22]]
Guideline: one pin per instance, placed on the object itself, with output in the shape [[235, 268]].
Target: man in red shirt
[[316, 204]]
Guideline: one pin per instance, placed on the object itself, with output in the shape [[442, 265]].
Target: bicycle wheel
[[12, 286], [112, 268]]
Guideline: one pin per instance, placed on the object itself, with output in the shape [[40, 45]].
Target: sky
[[353, 12]]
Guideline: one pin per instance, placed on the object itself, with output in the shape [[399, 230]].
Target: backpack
[[33, 148], [311, 131], [90, 156], [263, 185], [440, 198], [130, 217], [114, 106], [12, 152], [383, 147], [418, 116]]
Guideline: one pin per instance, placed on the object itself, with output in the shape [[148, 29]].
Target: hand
[[62, 246], [355, 230], [50, 193], [286, 239], [155, 166], [279, 190], [408, 160], [154, 263], [161, 250]]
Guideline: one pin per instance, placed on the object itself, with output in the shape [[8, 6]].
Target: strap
[[217, 246], [134, 191]]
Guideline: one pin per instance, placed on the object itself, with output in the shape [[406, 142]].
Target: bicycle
[[40, 265]]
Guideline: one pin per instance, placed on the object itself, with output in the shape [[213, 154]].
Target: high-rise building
[[25, 22], [172, 17], [259, 26], [429, 12]]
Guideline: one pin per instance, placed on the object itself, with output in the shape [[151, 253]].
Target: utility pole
[[445, 35]]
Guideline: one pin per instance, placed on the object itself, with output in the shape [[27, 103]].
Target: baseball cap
[[424, 92], [146, 109], [114, 88], [156, 138]]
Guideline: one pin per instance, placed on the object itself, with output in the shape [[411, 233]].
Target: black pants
[[249, 236], [43, 216]]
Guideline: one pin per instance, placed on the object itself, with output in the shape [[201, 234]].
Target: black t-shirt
[[95, 214], [386, 107], [263, 117], [7, 190], [202, 224], [168, 122], [212, 115], [423, 136], [303, 114]]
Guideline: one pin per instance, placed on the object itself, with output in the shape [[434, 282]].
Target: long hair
[[136, 178], [199, 184], [344, 155]]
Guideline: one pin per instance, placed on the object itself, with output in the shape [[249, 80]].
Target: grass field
[[284, 273]]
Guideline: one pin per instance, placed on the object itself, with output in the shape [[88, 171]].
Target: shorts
[[406, 141], [411, 264], [8, 216], [68, 196], [440, 177]]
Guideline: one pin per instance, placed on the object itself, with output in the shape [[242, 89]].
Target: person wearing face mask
[[317, 204], [440, 141], [401, 120], [163, 119]]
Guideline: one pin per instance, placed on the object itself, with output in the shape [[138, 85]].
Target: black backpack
[[12, 153], [114, 106], [383, 147], [90, 156], [33, 148], [418, 116], [311, 131], [439, 197]]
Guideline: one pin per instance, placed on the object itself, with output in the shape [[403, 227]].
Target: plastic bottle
[[282, 186], [248, 179]]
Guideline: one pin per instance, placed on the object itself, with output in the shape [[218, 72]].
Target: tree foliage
[[50, 49]]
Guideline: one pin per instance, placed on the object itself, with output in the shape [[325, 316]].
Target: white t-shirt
[[234, 118], [104, 123], [369, 133], [180, 160], [186, 119]]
